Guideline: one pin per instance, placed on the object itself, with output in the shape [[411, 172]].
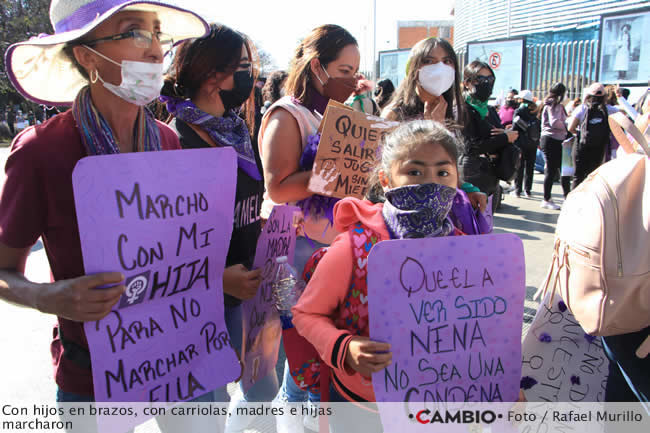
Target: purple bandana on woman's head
[[229, 130], [419, 211]]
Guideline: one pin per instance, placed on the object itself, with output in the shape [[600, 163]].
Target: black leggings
[[586, 159], [525, 181], [552, 149]]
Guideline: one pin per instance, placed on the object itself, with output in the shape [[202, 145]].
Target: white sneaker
[[550, 205], [514, 193]]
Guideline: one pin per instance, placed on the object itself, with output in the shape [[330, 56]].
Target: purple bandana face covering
[[229, 130], [419, 211]]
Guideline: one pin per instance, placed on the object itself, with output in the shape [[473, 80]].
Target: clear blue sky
[[278, 25]]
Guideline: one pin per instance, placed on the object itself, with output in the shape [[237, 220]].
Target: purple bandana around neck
[[317, 101], [229, 130], [419, 211]]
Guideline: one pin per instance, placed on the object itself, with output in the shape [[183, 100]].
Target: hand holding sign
[[347, 152], [77, 298], [241, 283], [366, 356]]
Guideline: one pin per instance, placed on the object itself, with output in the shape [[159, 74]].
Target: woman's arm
[[573, 125], [281, 151], [74, 299]]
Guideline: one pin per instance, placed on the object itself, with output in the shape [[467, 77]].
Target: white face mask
[[141, 81], [436, 78]]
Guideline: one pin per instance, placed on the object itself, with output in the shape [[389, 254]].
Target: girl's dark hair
[[273, 86], [472, 72], [556, 93], [406, 137], [198, 60], [600, 102], [384, 92], [405, 101], [324, 43]]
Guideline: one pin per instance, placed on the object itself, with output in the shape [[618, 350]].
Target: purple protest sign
[[164, 220], [262, 329], [452, 310]]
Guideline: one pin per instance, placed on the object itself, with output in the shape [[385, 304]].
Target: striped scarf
[[96, 133]]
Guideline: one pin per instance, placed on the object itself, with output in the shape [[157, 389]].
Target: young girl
[[418, 174]]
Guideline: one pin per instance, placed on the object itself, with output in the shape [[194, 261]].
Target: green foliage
[[19, 21]]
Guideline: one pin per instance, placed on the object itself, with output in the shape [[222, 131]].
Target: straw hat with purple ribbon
[[40, 70]]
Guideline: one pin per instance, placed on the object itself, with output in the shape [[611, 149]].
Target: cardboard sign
[[348, 152], [561, 362], [452, 310], [262, 328], [164, 220]]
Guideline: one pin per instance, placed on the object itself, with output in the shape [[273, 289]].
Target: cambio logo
[[459, 417]]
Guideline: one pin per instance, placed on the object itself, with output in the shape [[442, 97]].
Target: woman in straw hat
[[105, 59]]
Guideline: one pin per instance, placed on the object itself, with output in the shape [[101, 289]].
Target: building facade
[[563, 40], [411, 32], [541, 21]]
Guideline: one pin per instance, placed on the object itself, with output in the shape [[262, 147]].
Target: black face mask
[[483, 90], [240, 92], [512, 104]]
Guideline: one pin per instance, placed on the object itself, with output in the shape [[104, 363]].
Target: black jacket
[[524, 141], [247, 225], [479, 140]]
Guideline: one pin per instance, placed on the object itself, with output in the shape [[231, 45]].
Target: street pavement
[[25, 334]]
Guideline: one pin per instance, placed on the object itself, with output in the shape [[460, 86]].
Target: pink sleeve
[[315, 312]]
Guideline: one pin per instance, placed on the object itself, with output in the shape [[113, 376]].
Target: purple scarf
[[419, 211], [97, 135], [229, 130]]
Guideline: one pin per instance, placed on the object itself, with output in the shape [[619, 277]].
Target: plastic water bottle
[[287, 288]]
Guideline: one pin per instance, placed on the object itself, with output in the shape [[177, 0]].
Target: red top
[[36, 200]]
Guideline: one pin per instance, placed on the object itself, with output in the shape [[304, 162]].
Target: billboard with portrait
[[392, 65], [505, 57], [624, 55]]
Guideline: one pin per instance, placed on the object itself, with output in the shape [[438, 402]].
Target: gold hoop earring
[[94, 80]]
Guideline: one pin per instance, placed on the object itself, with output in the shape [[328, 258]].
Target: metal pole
[[374, 39]]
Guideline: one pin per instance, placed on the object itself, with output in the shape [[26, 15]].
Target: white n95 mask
[[436, 78]]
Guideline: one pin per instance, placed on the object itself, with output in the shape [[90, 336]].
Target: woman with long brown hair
[[209, 93], [431, 88], [324, 67]]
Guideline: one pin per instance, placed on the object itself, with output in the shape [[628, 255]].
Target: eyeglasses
[[141, 39], [484, 80]]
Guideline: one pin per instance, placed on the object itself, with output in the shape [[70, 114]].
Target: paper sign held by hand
[[451, 309], [348, 152], [164, 220], [261, 328]]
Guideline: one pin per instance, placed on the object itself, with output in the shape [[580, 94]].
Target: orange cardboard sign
[[349, 150]]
